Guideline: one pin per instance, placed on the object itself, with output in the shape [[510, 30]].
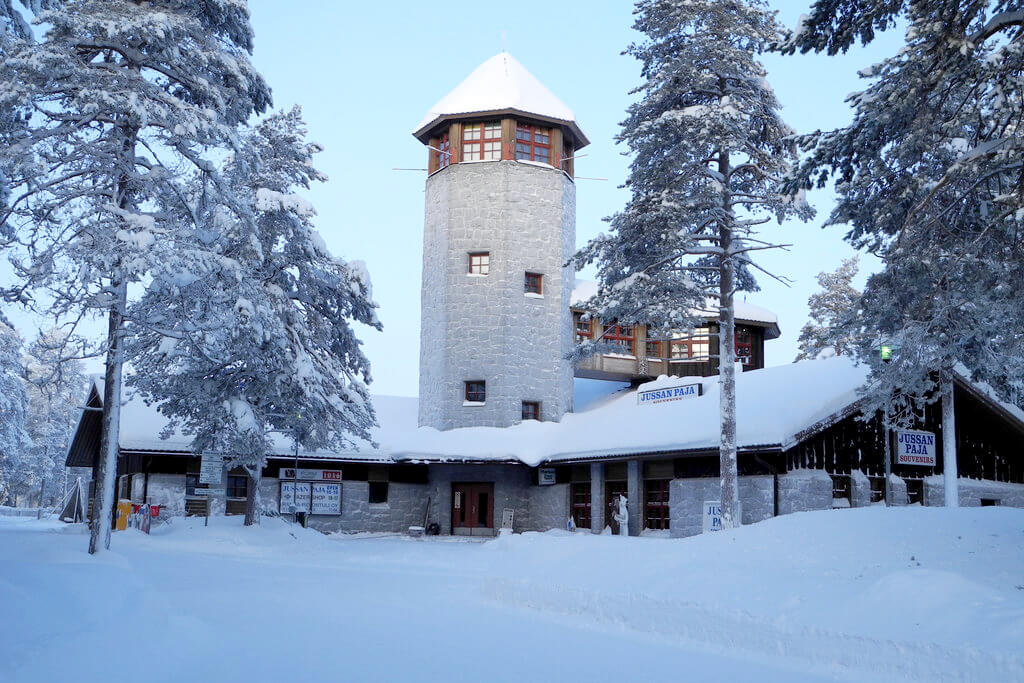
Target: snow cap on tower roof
[[501, 85]]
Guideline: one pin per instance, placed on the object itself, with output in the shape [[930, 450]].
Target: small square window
[[531, 410], [479, 263], [378, 492], [237, 487], [476, 391], [534, 283]]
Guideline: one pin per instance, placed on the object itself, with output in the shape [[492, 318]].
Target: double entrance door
[[473, 509]]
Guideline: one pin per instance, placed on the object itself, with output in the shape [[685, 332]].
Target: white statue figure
[[622, 517]]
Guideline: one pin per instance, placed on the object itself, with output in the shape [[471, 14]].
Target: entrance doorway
[[473, 509], [612, 491]]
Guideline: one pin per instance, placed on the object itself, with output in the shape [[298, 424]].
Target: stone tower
[[500, 224]]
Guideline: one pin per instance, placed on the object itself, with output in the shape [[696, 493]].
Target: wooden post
[[508, 139], [455, 141]]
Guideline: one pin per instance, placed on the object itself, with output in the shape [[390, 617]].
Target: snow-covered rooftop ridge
[[585, 289], [499, 83]]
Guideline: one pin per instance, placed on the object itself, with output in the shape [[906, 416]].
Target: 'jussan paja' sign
[[915, 448], [665, 394]]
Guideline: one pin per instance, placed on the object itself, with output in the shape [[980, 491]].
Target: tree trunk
[[727, 360], [99, 533], [252, 497], [949, 469]]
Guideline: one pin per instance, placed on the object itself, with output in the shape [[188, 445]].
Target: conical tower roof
[[501, 85]]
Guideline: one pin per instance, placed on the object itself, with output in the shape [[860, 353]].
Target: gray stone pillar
[[634, 491], [596, 497]]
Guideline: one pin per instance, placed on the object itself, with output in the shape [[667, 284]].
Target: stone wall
[[549, 507], [860, 489], [972, 491], [486, 327], [687, 497], [803, 490]]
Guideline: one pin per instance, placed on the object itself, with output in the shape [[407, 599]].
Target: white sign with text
[[295, 496], [915, 448], [666, 394], [326, 499]]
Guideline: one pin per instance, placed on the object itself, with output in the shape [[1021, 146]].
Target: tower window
[[692, 347], [621, 336], [533, 143], [744, 346], [534, 283], [481, 141], [584, 330], [531, 410], [444, 155], [653, 349], [476, 391], [479, 263]]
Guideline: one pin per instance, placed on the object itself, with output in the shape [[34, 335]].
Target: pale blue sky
[[366, 73]]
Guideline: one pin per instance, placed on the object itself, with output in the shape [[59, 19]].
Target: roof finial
[[504, 41]]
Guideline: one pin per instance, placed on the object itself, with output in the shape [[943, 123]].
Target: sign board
[[915, 448], [507, 515], [666, 394], [310, 475], [207, 492], [546, 476], [211, 469], [712, 515], [326, 499], [295, 496]]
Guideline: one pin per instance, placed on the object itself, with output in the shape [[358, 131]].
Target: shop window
[[237, 486], [531, 410], [584, 327], [533, 143], [744, 346], [476, 391], [444, 153], [656, 509], [533, 283], [691, 347], [480, 263], [378, 492], [652, 349], [481, 141], [620, 336], [579, 494]]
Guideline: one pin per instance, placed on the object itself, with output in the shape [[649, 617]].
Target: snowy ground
[[868, 595]]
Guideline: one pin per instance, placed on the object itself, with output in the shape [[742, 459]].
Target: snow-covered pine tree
[[263, 341], [14, 439], [55, 389], [929, 177], [828, 310], [709, 150], [125, 97]]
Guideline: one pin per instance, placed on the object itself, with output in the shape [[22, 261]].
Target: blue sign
[[666, 394]]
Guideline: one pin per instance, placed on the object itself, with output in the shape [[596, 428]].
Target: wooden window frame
[[527, 148], [658, 348], [657, 512], [580, 333], [479, 263], [476, 391], [444, 154], [533, 283], [531, 410], [479, 146], [232, 487], [616, 334], [700, 338], [580, 502], [744, 340]]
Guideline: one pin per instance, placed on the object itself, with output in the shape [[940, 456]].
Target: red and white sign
[[310, 475]]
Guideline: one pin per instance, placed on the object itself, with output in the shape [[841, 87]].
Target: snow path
[[813, 596]]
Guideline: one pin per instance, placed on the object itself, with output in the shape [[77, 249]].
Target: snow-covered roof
[[775, 408], [501, 84], [585, 289]]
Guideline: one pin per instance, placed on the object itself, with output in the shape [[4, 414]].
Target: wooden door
[[472, 508]]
